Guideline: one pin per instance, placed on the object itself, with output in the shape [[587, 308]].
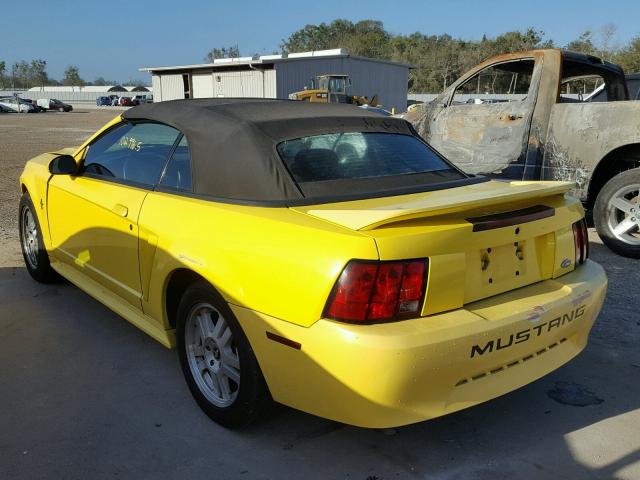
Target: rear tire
[[616, 213], [217, 360], [34, 253]]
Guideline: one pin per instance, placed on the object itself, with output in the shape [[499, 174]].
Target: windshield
[[333, 84], [349, 161]]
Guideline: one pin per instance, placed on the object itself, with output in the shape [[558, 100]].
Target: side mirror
[[63, 165]]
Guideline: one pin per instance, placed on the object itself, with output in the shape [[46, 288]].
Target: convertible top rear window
[[357, 162]]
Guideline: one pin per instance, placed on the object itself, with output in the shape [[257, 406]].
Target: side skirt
[[115, 303]]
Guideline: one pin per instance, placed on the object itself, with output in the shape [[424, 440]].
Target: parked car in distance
[[53, 104], [32, 102], [326, 257], [102, 101], [125, 102], [17, 105], [115, 100], [140, 99]]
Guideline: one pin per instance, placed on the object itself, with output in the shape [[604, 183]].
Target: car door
[[484, 125], [93, 217]]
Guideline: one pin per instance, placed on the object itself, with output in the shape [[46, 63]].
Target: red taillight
[[374, 291], [351, 295], [581, 240]]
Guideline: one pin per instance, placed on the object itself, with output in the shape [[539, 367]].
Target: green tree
[[20, 75], [313, 37], [518, 41], [583, 44], [224, 52], [38, 73], [365, 38], [628, 57], [72, 76]]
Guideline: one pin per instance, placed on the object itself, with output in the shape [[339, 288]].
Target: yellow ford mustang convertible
[[320, 256]]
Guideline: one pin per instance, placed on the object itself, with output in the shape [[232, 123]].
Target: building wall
[[157, 88], [368, 78], [202, 84], [171, 87], [245, 83], [270, 84]]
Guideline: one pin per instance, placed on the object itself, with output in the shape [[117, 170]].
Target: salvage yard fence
[[90, 97]]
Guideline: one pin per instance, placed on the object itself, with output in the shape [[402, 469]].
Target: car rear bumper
[[404, 372]]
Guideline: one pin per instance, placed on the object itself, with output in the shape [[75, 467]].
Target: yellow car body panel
[[271, 260], [103, 215], [404, 372], [277, 266], [34, 179]]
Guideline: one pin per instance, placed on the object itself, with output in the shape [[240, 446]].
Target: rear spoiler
[[419, 205]]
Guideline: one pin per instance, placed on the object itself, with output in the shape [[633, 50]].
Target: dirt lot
[[84, 394], [25, 136]]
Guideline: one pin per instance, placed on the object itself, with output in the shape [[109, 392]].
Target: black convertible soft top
[[232, 142]]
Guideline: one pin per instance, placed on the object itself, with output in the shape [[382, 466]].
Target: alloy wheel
[[623, 214], [212, 355], [30, 238]]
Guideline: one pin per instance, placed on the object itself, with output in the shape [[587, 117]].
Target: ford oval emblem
[[565, 263]]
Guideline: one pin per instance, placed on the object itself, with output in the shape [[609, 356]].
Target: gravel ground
[[84, 394], [23, 136]]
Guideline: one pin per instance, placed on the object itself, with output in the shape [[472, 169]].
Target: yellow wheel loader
[[332, 89]]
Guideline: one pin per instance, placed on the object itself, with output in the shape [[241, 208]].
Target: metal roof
[[268, 60]]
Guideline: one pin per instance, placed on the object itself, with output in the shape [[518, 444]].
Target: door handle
[[120, 210]]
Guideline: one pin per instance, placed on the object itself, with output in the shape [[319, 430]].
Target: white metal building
[[276, 76]]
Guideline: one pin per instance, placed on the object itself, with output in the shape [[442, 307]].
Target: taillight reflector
[[581, 241], [374, 291]]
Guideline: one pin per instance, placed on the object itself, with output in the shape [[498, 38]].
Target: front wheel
[[617, 213], [217, 360], [34, 253]]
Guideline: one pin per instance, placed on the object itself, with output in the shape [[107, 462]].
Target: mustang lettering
[[524, 335]]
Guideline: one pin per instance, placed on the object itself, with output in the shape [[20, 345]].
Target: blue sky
[[113, 38]]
